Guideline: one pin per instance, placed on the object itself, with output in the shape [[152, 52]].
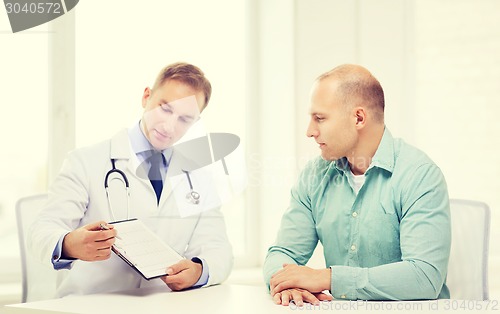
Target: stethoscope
[[192, 196]]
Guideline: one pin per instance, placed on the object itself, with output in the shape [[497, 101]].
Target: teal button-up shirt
[[391, 241]]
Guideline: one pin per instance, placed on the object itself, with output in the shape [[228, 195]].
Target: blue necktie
[[154, 174]]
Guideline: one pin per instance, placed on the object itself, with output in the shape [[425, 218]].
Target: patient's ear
[[360, 115]]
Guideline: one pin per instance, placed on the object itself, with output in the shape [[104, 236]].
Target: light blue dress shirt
[[142, 147], [391, 241]]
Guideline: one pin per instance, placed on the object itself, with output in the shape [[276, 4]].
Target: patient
[[378, 206]]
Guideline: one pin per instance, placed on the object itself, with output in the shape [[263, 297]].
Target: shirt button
[[354, 214], [353, 247], [342, 296]]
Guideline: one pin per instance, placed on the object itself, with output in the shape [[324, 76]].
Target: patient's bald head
[[357, 87]]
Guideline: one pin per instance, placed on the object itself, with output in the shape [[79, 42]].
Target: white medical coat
[[77, 197]]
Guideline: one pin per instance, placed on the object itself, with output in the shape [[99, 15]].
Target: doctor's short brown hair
[[188, 74]]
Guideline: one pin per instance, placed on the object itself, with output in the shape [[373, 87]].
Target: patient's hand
[[299, 296]]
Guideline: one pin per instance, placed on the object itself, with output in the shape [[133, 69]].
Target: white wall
[[457, 104], [273, 161]]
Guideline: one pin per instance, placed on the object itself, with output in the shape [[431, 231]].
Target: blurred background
[[79, 79]]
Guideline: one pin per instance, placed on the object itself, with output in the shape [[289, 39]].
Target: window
[[24, 100]]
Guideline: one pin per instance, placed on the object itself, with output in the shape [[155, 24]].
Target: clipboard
[[142, 249]]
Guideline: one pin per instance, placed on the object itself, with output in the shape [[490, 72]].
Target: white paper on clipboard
[[142, 249]]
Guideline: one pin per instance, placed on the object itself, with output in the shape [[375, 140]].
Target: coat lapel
[[122, 150]]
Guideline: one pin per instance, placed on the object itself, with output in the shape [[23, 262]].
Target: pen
[[104, 227]]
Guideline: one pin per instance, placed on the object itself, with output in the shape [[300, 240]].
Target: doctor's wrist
[[66, 247], [203, 278]]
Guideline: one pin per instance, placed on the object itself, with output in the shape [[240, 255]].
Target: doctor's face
[[169, 111]]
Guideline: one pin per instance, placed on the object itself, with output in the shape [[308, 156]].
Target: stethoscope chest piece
[[193, 197]]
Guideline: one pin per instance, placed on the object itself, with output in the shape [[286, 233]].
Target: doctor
[[70, 232]]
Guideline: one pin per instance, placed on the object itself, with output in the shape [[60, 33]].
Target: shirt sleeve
[[425, 240], [293, 245], [57, 261], [204, 274]]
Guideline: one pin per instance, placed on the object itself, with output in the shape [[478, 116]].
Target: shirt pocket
[[383, 233]]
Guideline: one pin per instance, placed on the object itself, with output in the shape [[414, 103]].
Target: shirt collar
[[342, 164], [383, 158], [140, 144]]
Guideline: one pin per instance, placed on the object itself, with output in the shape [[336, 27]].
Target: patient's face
[[332, 125]]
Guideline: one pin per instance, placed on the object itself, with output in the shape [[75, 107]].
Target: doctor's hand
[[183, 275], [302, 277], [89, 243], [299, 296]]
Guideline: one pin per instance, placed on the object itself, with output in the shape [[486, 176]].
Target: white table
[[230, 299]]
